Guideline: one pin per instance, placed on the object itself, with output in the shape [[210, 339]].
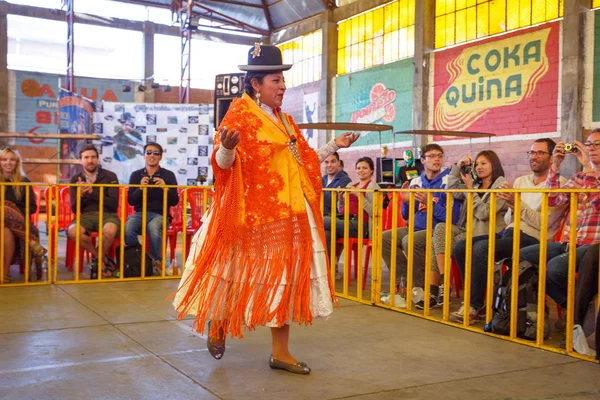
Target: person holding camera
[[154, 176], [588, 213], [483, 173]]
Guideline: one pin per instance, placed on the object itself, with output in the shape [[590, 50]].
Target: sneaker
[[458, 316], [440, 297], [156, 268], [433, 303]]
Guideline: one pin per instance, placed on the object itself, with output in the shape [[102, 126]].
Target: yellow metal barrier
[[443, 317]]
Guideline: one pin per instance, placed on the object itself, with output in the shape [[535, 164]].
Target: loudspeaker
[[227, 88]]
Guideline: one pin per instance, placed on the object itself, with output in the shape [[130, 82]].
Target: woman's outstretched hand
[[229, 139], [346, 139]]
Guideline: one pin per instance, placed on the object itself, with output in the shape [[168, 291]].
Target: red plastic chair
[[62, 219], [176, 224], [196, 200], [35, 217], [353, 244]]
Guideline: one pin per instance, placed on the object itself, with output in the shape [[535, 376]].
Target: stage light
[[166, 88], [141, 88], [126, 88], [155, 85]]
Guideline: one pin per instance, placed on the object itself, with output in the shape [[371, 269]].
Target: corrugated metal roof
[[256, 16]]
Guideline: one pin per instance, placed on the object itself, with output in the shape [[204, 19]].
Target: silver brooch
[[256, 52]]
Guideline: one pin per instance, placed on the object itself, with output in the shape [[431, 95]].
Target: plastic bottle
[[417, 294], [173, 269], [402, 287]]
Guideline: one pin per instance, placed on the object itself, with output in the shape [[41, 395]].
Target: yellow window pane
[[471, 3], [307, 47], [361, 55], [596, 3], [387, 48], [394, 15], [355, 57], [525, 14], [461, 26], [403, 21], [411, 12], [387, 15], [512, 14], [349, 59], [461, 4], [538, 11], [378, 22], [403, 43], [440, 7], [369, 53], [483, 29], [497, 16], [317, 62], [471, 31], [355, 30], [342, 35], [310, 66], [410, 41], [450, 24], [368, 25], [395, 46], [361, 27], [551, 9], [440, 32], [341, 66], [485, 1], [450, 6], [378, 50], [349, 33], [318, 42], [561, 7]]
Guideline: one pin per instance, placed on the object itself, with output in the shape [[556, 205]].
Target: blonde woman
[[14, 214]]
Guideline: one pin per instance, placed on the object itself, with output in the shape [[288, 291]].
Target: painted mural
[[36, 101], [506, 85], [380, 95]]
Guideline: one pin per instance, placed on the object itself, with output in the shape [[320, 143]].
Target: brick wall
[[197, 96]]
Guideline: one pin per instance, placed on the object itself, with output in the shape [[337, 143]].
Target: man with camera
[[588, 212], [154, 176]]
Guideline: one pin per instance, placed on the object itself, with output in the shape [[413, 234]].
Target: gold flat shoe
[[215, 350], [299, 368]]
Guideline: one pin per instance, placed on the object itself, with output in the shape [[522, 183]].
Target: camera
[[466, 169], [570, 148]]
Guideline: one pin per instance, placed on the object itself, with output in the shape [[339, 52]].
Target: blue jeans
[[154, 222], [479, 259], [557, 267]]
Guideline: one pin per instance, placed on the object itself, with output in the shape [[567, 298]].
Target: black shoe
[[94, 271], [433, 303]]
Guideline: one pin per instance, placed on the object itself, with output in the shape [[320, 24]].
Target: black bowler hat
[[264, 57]]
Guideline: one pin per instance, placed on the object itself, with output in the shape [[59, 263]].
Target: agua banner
[[76, 114], [36, 101], [507, 85], [183, 130]]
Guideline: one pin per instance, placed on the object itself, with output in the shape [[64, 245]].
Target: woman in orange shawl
[[259, 258]]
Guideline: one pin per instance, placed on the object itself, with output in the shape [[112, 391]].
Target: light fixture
[[166, 88], [126, 88], [155, 85], [141, 88]]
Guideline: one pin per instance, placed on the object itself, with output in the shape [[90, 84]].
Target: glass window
[[595, 3], [37, 44], [459, 21], [167, 61], [382, 35], [305, 53]]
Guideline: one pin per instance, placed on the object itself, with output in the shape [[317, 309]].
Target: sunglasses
[[153, 153]]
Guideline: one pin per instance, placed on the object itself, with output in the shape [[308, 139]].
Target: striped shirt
[[588, 205]]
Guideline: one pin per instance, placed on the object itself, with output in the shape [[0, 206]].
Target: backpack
[[526, 302], [133, 261]]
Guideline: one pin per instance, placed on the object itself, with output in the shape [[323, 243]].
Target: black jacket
[[154, 199], [9, 195], [91, 203]]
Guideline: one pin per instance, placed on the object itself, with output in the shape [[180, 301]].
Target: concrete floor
[[122, 341]]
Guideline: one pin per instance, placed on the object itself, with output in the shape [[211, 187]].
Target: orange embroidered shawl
[[259, 235]]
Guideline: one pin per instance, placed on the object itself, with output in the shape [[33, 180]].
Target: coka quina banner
[[507, 85]]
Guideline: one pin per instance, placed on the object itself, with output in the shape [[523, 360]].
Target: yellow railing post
[[360, 235], [571, 276], [428, 250], [165, 213], [27, 228], [447, 256], [491, 258], [347, 250], [144, 232], [78, 233], [333, 232], [541, 301], [410, 250], [3, 268], [394, 249], [100, 231], [468, 259], [184, 248], [123, 217], [515, 268], [375, 247]]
